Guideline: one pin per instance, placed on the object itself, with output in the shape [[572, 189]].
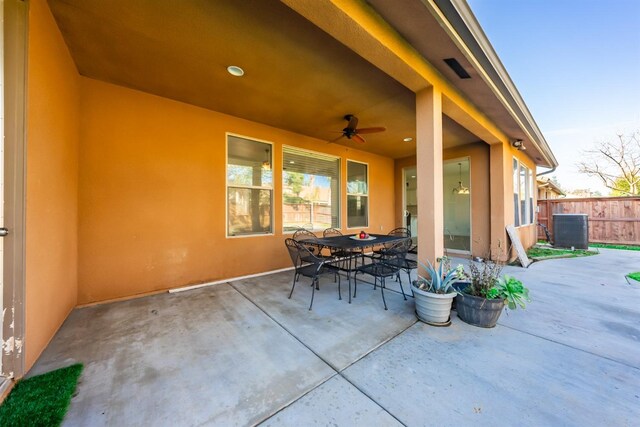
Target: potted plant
[[481, 303], [433, 295]]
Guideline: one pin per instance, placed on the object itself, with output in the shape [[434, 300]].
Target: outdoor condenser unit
[[571, 230]]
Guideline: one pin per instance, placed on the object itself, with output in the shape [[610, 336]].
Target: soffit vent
[[457, 68]]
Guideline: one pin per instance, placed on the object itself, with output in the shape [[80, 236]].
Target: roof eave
[[464, 22]]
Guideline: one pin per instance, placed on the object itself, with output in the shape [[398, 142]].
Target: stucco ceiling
[[296, 76]]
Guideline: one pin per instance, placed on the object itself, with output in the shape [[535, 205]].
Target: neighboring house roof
[[544, 182]]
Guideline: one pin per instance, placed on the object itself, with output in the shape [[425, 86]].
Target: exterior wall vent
[[571, 230], [457, 68]]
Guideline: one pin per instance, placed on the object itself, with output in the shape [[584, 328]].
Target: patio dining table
[[354, 246]]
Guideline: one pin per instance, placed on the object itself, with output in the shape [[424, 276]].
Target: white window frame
[[226, 183], [367, 195], [311, 152], [515, 178], [526, 214]]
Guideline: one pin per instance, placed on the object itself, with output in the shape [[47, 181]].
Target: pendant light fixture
[[460, 189]]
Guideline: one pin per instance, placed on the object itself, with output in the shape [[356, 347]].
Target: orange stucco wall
[[152, 194], [51, 182], [478, 154]]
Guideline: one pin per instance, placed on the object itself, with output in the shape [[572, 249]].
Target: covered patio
[[155, 145], [241, 353]]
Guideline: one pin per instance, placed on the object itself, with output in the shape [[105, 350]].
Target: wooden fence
[[611, 219], [302, 214]]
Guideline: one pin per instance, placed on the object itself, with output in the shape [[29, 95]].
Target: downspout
[[553, 169]]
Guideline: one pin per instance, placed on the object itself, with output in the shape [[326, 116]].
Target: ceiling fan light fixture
[[236, 71]]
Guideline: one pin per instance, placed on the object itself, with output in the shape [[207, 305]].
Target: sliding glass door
[[457, 205], [410, 202]]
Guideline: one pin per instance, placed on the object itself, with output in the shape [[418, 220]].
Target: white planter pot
[[433, 308]]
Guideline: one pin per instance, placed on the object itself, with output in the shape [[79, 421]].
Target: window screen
[[516, 196], [357, 195], [249, 187], [522, 194], [310, 190]]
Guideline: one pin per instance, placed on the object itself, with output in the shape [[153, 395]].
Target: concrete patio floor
[[241, 353]]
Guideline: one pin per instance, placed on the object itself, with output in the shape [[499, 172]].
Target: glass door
[[410, 202], [457, 205]]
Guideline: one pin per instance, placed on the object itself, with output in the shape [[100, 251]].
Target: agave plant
[[441, 278]]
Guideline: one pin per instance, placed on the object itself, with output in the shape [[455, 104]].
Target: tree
[[616, 164], [295, 180], [622, 188]]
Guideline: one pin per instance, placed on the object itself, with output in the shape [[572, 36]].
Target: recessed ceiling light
[[235, 71], [291, 162], [413, 176], [408, 139]]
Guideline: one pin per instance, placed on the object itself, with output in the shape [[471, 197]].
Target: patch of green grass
[[538, 252], [608, 246], [42, 400], [634, 276]]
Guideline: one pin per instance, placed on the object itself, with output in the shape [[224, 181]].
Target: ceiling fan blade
[[357, 138], [335, 139], [353, 121], [371, 130]]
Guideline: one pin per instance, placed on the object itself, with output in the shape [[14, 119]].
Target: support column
[[501, 182], [429, 174]]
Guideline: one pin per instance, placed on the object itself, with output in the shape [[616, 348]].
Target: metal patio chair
[[387, 265], [405, 264], [308, 239], [337, 253], [400, 231], [307, 264]]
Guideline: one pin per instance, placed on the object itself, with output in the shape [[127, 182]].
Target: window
[[530, 197], [249, 187], [310, 190], [522, 194], [516, 197], [357, 195]]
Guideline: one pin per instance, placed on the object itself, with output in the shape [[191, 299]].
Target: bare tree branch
[[616, 164]]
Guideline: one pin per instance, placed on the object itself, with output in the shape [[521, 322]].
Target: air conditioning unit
[[571, 230]]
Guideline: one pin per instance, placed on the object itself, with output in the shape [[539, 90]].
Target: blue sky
[[576, 63]]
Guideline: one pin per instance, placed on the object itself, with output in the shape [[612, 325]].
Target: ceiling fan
[[352, 131]]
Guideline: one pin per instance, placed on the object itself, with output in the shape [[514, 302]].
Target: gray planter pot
[[459, 287], [479, 311], [434, 309]]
